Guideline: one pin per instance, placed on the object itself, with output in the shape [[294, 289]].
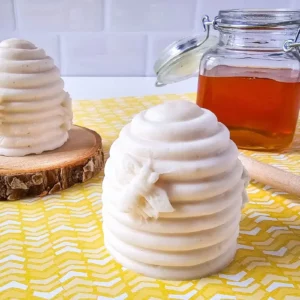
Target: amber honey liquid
[[260, 113]]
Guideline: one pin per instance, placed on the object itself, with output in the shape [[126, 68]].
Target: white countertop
[[94, 88]]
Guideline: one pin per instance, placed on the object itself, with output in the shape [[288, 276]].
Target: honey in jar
[[260, 112], [250, 78]]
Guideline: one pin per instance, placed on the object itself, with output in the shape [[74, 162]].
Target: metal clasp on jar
[[290, 45]]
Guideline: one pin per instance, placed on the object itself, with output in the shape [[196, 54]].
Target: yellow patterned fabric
[[52, 247]]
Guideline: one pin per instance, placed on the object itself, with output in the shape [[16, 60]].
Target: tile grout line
[[15, 13], [106, 9], [197, 8], [147, 54], [60, 54]]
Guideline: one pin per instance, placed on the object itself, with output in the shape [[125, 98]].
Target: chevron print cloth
[[52, 248]]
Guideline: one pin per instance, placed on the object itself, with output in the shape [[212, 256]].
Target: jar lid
[[181, 59]]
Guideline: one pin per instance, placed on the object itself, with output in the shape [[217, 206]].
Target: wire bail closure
[[290, 45], [184, 46], [206, 22]]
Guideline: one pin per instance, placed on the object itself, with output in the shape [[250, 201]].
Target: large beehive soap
[[173, 192]]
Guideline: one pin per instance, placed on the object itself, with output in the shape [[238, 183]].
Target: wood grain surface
[[78, 160]]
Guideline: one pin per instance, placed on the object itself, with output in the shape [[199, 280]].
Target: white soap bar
[[173, 193], [35, 111]]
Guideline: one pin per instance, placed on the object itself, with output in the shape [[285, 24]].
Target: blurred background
[[111, 37]]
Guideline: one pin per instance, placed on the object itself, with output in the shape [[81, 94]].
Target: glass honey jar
[[250, 77]]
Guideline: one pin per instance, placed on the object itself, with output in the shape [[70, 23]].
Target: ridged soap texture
[[35, 111], [173, 193]]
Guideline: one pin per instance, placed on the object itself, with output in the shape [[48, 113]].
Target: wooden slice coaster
[[78, 160]]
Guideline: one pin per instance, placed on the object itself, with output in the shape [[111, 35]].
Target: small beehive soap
[[172, 193], [35, 111]]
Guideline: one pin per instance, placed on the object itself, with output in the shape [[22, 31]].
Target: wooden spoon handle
[[272, 176]]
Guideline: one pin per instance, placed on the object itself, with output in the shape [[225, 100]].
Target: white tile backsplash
[[60, 15], [151, 15], [112, 37], [294, 4], [107, 54], [7, 18]]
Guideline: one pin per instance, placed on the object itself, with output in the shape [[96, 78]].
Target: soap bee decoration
[[140, 196]]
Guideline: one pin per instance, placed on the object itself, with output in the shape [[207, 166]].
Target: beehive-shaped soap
[[173, 193], [35, 111]]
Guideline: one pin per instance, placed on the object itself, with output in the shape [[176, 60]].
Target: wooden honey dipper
[[272, 176]]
